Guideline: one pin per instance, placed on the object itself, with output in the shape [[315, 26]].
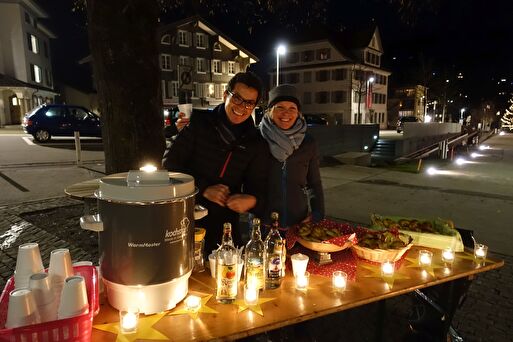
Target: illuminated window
[[35, 73], [33, 43]]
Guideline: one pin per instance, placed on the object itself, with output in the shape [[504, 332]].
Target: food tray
[[70, 329], [380, 255], [326, 247]]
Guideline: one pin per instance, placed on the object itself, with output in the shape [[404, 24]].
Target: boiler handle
[[200, 212], [91, 222]]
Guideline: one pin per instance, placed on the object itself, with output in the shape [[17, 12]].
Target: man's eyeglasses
[[240, 101]]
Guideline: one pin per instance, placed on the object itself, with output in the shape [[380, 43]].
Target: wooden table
[[291, 306]]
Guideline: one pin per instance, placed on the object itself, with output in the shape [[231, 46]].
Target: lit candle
[[129, 321], [148, 168], [425, 258], [448, 255], [250, 295], [387, 269], [339, 280], [299, 263], [480, 251], [302, 281], [192, 303]]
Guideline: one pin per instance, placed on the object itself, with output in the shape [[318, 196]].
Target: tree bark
[[125, 58]]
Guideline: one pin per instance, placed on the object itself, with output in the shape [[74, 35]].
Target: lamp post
[[462, 110], [369, 95], [280, 50]]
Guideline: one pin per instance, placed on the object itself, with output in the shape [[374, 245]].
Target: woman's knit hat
[[284, 92]]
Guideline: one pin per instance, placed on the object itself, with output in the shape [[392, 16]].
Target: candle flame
[[148, 168]]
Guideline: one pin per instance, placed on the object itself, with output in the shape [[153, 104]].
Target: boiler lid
[[144, 186]]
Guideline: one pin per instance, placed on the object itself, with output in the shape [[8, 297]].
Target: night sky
[[468, 36]]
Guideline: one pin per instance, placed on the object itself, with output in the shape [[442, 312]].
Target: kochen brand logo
[[178, 234]]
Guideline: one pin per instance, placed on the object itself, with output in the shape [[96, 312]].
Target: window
[[28, 20], [174, 88], [201, 41], [307, 97], [218, 90], [48, 77], [199, 90], [292, 57], [338, 96], [78, 113], [322, 75], [216, 67], [166, 39], [322, 97], [201, 65], [323, 54], [292, 77], [184, 60], [35, 73], [307, 77], [217, 46], [182, 38], [380, 79], [307, 56], [165, 62], [339, 74], [231, 68], [33, 44]]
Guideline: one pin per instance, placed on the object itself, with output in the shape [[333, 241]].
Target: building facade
[[339, 78], [197, 61], [407, 101], [25, 62]]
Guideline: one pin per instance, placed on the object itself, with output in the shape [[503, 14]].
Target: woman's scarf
[[282, 143]]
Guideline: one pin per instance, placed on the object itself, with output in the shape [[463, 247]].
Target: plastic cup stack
[[28, 262], [74, 298], [60, 269], [22, 309], [39, 284]]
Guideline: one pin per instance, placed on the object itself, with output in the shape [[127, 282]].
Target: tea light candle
[[299, 263], [250, 295], [425, 257], [192, 303], [387, 269], [448, 255], [128, 321], [302, 281], [339, 280], [480, 251]]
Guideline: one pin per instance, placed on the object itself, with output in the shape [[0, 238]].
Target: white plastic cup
[[185, 108], [60, 266], [212, 263], [299, 263], [74, 298], [22, 309], [28, 262], [83, 263], [39, 284]]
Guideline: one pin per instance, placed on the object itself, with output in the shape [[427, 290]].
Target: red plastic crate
[[70, 329]]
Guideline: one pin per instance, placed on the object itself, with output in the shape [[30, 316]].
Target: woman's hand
[[241, 203], [217, 193], [182, 121]]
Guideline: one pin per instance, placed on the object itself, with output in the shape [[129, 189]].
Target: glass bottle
[[254, 258], [226, 268], [273, 255]]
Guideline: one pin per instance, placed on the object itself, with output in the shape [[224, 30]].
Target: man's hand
[[217, 193], [181, 122], [241, 203]]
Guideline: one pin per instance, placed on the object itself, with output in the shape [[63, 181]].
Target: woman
[[294, 178]]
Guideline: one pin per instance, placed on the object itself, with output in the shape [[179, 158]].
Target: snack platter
[[436, 233]]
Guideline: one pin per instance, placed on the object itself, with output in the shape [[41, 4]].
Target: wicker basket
[[325, 247], [380, 255]]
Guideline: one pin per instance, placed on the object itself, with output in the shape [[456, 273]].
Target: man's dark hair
[[248, 78]]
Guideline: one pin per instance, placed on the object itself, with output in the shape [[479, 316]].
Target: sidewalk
[[11, 129]]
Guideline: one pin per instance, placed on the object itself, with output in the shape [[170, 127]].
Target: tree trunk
[[124, 49]]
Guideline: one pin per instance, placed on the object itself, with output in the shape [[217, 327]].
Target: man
[[227, 157]]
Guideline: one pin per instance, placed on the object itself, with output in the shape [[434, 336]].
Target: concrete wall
[[333, 140], [418, 129], [409, 145]]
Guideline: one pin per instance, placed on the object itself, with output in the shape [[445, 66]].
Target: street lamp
[[462, 110], [280, 50]]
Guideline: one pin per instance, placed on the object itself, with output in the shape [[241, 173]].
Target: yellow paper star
[[470, 256], [414, 263], [144, 329], [194, 314], [255, 308], [376, 273]]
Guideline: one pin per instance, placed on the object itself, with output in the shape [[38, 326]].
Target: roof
[[32, 5], [11, 82], [212, 30]]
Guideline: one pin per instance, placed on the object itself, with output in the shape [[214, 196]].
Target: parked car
[[49, 120], [403, 119], [315, 120]]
